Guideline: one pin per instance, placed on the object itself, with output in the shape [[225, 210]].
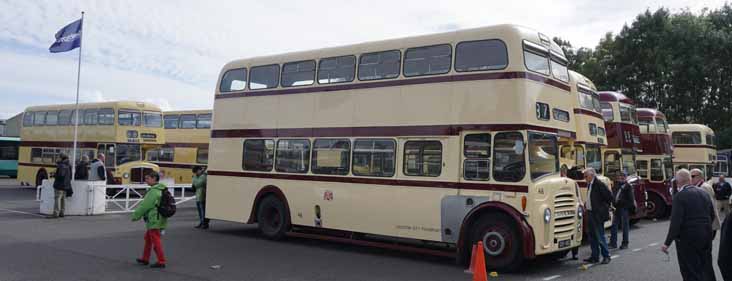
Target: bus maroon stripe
[[392, 131], [176, 165], [36, 165], [59, 144], [393, 182], [695, 146], [587, 112], [183, 144], [403, 82]]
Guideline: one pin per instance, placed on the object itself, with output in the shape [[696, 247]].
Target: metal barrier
[[127, 197]]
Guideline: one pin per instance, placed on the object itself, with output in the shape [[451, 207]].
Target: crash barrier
[[97, 197]]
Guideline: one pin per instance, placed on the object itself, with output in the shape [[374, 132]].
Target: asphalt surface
[[105, 247]]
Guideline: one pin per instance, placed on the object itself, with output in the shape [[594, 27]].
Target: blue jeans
[[201, 206], [598, 244], [621, 218]]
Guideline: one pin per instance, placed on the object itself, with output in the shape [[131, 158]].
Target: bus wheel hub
[[493, 243]]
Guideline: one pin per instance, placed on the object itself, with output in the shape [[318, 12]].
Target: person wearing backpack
[[155, 211]]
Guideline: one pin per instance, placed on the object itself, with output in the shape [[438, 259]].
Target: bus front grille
[[565, 215]]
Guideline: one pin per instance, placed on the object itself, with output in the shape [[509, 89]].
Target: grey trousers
[[59, 202]]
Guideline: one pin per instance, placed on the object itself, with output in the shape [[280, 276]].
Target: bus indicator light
[[523, 203]]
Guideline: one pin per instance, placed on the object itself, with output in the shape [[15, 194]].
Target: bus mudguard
[[267, 190]]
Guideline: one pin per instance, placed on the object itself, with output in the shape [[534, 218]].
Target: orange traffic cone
[[472, 259], [479, 273]]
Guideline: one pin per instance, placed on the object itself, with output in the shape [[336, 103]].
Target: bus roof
[[515, 32], [690, 128], [650, 113], [118, 104], [608, 96], [581, 80], [9, 139]]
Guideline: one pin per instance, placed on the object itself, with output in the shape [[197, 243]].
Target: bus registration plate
[[565, 243]]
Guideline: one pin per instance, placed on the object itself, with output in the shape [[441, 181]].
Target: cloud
[[153, 47]]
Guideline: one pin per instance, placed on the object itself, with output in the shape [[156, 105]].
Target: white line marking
[[636, 250], [552, 277], [653, 244], [19, 212], [614, 257]]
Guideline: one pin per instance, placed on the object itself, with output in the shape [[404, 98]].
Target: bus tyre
[[656, 206], [40, 176], [501, 241], [272, 217]]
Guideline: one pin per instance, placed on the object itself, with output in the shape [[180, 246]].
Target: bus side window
[[379, 65], [258, 155], [292, 156], [90, 117], [423, 158], [171, 121], [234, 80], [429, 60], [203, 121], [337, 70], [36, 155], [642, 168], [301, 73], [331, 156], [656, 170], [187, 121], [374, 157], [201, 156], [28, 119], [509, 164], [477, 153], [481, 55]]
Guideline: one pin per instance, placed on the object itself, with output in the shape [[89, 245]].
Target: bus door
[[108, 150]]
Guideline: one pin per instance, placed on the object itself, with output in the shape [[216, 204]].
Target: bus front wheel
[[656, 206], [272, 217], [40, 176], [501, 241]]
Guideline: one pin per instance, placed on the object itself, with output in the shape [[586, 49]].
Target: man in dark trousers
[[692, 213], [598, 212], [724, 260], [624, 202], [722, 191]]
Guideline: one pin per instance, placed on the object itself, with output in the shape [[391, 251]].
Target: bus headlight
[[126, 175], [547, 215], [580, 212]]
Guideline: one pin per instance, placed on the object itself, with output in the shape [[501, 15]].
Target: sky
[[171, 52]]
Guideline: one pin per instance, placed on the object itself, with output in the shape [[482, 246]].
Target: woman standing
[[199, 185]]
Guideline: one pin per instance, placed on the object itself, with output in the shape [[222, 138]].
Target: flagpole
[[76, 118]]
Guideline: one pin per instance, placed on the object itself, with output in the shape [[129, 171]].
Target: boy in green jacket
[[154, 223]]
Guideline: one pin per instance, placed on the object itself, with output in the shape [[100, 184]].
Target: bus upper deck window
[[153, 119], [264, 77], [171, 121], [234, 80], [128, 117], [106, 116], [536, 58], [481, 55], [187, 121], [380, 65], [428, 60], [559, 67], [337, 70], [607, 112], [203, 121], [300, 73], [27, 119]]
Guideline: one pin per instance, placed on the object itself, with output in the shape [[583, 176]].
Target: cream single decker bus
[[443, 140]]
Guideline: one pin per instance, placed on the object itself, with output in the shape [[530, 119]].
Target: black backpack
[[167, 204]]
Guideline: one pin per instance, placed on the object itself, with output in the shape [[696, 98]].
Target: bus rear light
[[523, 203]]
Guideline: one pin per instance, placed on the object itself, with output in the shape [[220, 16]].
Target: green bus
[[9, 156]]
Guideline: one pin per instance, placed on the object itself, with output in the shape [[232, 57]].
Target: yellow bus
[[121, 130], [187, 134], [694, 147], [441, 140]]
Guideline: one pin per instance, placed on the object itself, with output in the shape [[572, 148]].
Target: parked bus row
[[434, 141]]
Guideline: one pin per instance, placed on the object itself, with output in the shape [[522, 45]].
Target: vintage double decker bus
[[121, 130], [623, 138], [442, 140], [585, 149], [187, 134], [654, 160], [694, 147]]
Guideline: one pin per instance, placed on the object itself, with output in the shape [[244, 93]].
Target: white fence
[[124, 198]]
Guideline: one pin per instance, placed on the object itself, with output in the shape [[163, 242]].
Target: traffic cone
[[472, 259], [479, 273]]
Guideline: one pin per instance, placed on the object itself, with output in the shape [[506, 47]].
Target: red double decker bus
[[623, 143], [654, 160]]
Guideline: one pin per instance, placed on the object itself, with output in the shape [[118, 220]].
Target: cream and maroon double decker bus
[[585, 149], [121, 130], [187, 134], [623, 139], [654, 160], [694, 147], [439, 140]]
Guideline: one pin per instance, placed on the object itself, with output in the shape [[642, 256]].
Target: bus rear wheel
[[40, 176], [272, 217], [656, 206], [501, 241]]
